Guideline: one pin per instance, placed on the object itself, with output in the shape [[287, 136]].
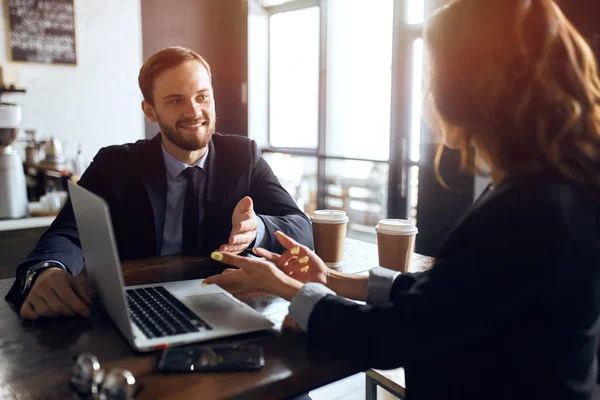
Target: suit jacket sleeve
[[61, 241], [468, 293], [276, 207]]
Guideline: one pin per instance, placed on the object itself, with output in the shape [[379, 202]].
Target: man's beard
[[187, 141]]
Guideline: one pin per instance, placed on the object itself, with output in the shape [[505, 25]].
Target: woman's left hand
[[260, 274]]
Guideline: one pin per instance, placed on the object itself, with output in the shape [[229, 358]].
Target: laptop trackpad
[[212, 303], [222, 311]]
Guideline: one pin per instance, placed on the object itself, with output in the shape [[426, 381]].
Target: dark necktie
[[191, 210]]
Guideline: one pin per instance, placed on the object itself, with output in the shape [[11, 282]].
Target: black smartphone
[[209, 358]]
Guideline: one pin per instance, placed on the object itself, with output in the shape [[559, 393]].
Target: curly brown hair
[[520, 84]]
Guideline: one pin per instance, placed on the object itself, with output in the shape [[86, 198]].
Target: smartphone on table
[[198, 358]]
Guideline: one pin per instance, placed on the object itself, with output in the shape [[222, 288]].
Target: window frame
[[399, 160]]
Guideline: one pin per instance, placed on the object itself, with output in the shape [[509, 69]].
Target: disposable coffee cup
[[329, 231], [395, 243]]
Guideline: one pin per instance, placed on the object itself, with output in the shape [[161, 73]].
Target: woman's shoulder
[[545, 204], [545, 193], [532, 216]]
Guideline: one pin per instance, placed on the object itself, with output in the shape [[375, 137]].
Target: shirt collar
[[175, 167]]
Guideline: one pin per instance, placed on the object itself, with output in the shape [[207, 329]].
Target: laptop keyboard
[[158, 313]]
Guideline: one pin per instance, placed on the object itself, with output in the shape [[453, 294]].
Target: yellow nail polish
[[303, 260], [304, 269], [278, 232], [295, 251], [216, 256], [204, 284]]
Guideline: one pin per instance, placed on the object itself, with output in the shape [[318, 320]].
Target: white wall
[[96, 102]]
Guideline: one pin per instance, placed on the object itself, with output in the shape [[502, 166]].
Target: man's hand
[[55, 293], [244, 223]]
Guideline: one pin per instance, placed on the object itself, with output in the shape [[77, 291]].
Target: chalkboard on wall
[[42, 31]]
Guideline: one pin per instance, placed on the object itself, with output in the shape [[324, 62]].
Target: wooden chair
[[394, 382], [391, 380]]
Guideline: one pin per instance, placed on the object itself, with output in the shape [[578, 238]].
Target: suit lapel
[[155, 182]]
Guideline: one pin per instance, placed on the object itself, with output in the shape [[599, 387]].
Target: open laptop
[[153, 316]]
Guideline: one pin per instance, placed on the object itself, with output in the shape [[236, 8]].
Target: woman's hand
[[298, 261], [259, 274], [304, 265]]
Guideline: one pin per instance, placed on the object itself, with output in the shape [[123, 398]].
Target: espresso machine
[[13, 189]]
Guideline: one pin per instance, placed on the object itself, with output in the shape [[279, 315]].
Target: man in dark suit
[[187, 190]]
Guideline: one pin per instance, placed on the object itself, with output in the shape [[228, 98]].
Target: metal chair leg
[[371, 388]]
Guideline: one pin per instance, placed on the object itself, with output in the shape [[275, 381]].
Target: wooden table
[[36, 356]]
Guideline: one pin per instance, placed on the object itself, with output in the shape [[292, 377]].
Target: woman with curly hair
[[511, 307]]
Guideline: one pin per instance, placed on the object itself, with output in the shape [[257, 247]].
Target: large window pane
[[414, 192], [359, 78], [415, 11], [416, 100], [360, 189], [294, 78], [298, 175], [270, 3]]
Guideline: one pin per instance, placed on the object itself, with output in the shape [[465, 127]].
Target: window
[[345, 92], [359, 78], [416, 104], [298, 175], [415, 12], [359, 188], [271, 3], [294, 78], [416, 101]]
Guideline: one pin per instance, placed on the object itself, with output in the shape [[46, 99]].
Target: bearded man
[[188, 190]]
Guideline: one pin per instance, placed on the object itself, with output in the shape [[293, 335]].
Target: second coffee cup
[[329, 230], [395, 243]]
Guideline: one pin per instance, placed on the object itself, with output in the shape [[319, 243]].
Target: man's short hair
[[169, 57]]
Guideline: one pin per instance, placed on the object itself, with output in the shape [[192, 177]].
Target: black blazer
[[132, 179], [510, 309]]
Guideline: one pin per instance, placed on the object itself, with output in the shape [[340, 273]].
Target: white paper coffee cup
[[329, 231], [395, 243]]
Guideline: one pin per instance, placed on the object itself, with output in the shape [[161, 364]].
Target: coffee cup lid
[[396, 227], [329, 216]]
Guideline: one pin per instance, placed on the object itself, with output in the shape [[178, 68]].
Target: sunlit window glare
[[416, 100], [415, 11], [294, 78]]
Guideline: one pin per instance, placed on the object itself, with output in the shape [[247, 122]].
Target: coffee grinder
[[13, 189]]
